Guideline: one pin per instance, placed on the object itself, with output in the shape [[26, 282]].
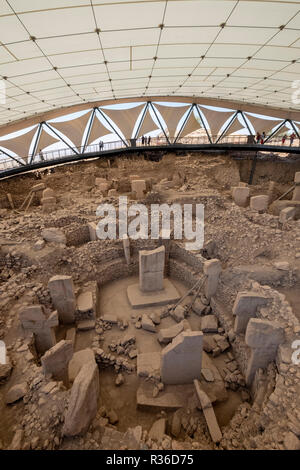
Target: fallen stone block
[[109, 318], [209, 324], [178, 313], [16, 392], [92, 228], [198, 307], [147, 324], [241, 196], [166, 335], [158, 429], [86, 325], [286, 214], [209, 414], [54, 235], [259, 203]]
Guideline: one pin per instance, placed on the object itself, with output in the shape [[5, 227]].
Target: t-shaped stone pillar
[[34, 320], [63, 297], [151, 269], [212, 269], [56, 361], [181, 360], [244, 308], [263, 337]]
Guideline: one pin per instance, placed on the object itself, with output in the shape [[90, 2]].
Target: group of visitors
[[260, 138], [146, 141], [292, 138]]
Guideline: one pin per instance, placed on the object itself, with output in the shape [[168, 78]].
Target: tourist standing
[[292, 138], [283, 139]]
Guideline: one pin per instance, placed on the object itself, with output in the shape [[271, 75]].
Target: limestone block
[[178, 313], [287, 214], [209, 324], [79, 359], [34, 320], [126, 248], [209, 413], [296, 193], [16, 392], [263, 337], [263, 334], [83, 403], [244, 308], [48, 192], [147, 324], [158, 430], [151, 269], [92, 227], [63, 297], [259, 203], [54, 235], [212, 268], [86, 304], [56, 360], [241, 196], [181, 360], [138, 187], [166, 335], [148, 364], [297, 177]]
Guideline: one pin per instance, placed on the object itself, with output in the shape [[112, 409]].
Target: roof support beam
[[36, 142], [89, 130], [141, 120], [184, 123], [160, 124], [203, 124], [60, 138], [227, 127], [113, 128]]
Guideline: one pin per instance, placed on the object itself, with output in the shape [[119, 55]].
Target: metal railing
[[55, 156]]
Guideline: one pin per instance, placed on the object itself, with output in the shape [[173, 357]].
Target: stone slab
[[138, 299], [171, 398]]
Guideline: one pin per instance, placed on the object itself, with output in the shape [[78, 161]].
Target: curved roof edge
[[235, 105]]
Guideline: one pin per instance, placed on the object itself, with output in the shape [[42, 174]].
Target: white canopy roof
[[60, 53]]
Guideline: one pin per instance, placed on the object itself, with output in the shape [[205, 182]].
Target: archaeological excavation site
[[143, 343], [149, 230]]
